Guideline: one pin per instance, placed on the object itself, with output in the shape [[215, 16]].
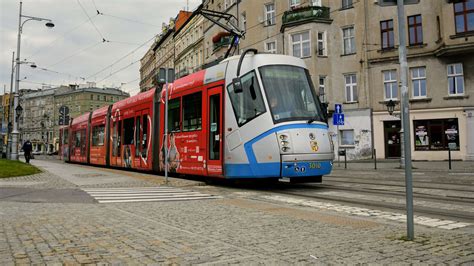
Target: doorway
[[392, 139]]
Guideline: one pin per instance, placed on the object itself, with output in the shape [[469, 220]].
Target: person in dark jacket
[[27, 147]]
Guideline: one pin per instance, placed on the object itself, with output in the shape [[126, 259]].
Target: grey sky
[[73, 49]]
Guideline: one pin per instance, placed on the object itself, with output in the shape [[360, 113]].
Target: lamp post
[[21, 22]]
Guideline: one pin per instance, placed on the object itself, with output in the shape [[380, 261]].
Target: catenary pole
[[166, 126], [405, 117]]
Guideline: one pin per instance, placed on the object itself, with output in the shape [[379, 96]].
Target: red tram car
[[219, 124]]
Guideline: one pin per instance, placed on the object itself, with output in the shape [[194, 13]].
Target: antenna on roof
[[187, 5]]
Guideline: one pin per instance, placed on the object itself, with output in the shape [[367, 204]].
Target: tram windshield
[[289, 93]]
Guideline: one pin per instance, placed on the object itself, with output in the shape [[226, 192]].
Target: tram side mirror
[[237, 84], [325, 111]]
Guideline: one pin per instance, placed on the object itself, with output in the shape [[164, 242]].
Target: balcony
[[223, 42], [306, 14]]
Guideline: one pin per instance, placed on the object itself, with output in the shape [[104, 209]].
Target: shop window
[[436, 134], [192, 108], [128, 131], [98, 135], [347, 137], [173, 115]]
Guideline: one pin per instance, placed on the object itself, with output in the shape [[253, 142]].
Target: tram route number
[[314, 166]]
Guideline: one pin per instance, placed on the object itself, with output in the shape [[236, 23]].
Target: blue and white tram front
[[275, 123]]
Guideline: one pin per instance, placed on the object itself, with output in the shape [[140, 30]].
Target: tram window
[[173, 115], [137, 136], [145, 133], [65, 136], [115, 140], [128, 131], [77, 136], [192, 107], [119, 137], [98, 135], [248, 104]]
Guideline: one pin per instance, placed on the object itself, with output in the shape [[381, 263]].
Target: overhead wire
[[130, 20], [74, 54], [121, 58], [93, 24], [60, 37], [121, 69]]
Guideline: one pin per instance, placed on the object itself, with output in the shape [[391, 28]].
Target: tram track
[[419, 210], [401, 183]]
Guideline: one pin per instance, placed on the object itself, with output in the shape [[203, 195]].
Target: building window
[[301, 44], [455, 79], [270, 47], [390, 84], [464, 16], [192, 110], [436, 134], [347, 137], [386, 31], [322, 89], [316, 3], [418, 81], [322, 44], [294, 3], [243, 19], [351, 87], [415, 30], [346, 4], [349, 40], [269, 14], [92, 96]]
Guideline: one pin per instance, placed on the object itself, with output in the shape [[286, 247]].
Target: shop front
[[433, 133]]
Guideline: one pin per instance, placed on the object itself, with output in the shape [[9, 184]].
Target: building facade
[[46, 110], [351, 50]]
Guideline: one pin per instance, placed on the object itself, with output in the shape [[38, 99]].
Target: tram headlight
[[283, 137], [284, 143], [285, 149]]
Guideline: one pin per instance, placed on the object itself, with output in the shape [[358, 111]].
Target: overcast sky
[[74, 48]]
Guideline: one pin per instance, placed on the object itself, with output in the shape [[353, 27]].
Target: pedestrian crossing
[[145, 194]]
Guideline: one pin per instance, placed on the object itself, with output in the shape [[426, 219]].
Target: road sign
[[338, 108], [338, 119], [394, 2]]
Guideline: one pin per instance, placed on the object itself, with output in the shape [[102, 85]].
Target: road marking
[[427, 221], [143, 194]]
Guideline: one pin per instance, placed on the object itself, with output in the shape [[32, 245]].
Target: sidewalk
[[418, 166]]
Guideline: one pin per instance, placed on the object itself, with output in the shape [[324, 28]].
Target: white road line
[[148, 200], [427, 221], [117, 195]]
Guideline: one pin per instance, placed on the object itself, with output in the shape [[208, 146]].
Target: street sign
[[394, 2], [338, 108], [338, 119]]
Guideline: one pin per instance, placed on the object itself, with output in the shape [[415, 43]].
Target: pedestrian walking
[[27, 147]]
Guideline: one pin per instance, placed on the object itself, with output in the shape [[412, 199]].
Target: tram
[[250, 117]]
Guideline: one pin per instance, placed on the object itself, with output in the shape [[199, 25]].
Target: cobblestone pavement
[[233, 230]]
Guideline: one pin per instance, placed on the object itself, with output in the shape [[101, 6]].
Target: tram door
[[141, 139], [214, 131]]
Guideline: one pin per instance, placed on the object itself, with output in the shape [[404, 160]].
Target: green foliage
[[10, 168]]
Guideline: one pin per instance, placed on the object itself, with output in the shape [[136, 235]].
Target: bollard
[[375, 159], [345, 159], [449, 157]]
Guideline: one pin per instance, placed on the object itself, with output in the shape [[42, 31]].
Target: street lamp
[[390, 107], [21, 22]]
